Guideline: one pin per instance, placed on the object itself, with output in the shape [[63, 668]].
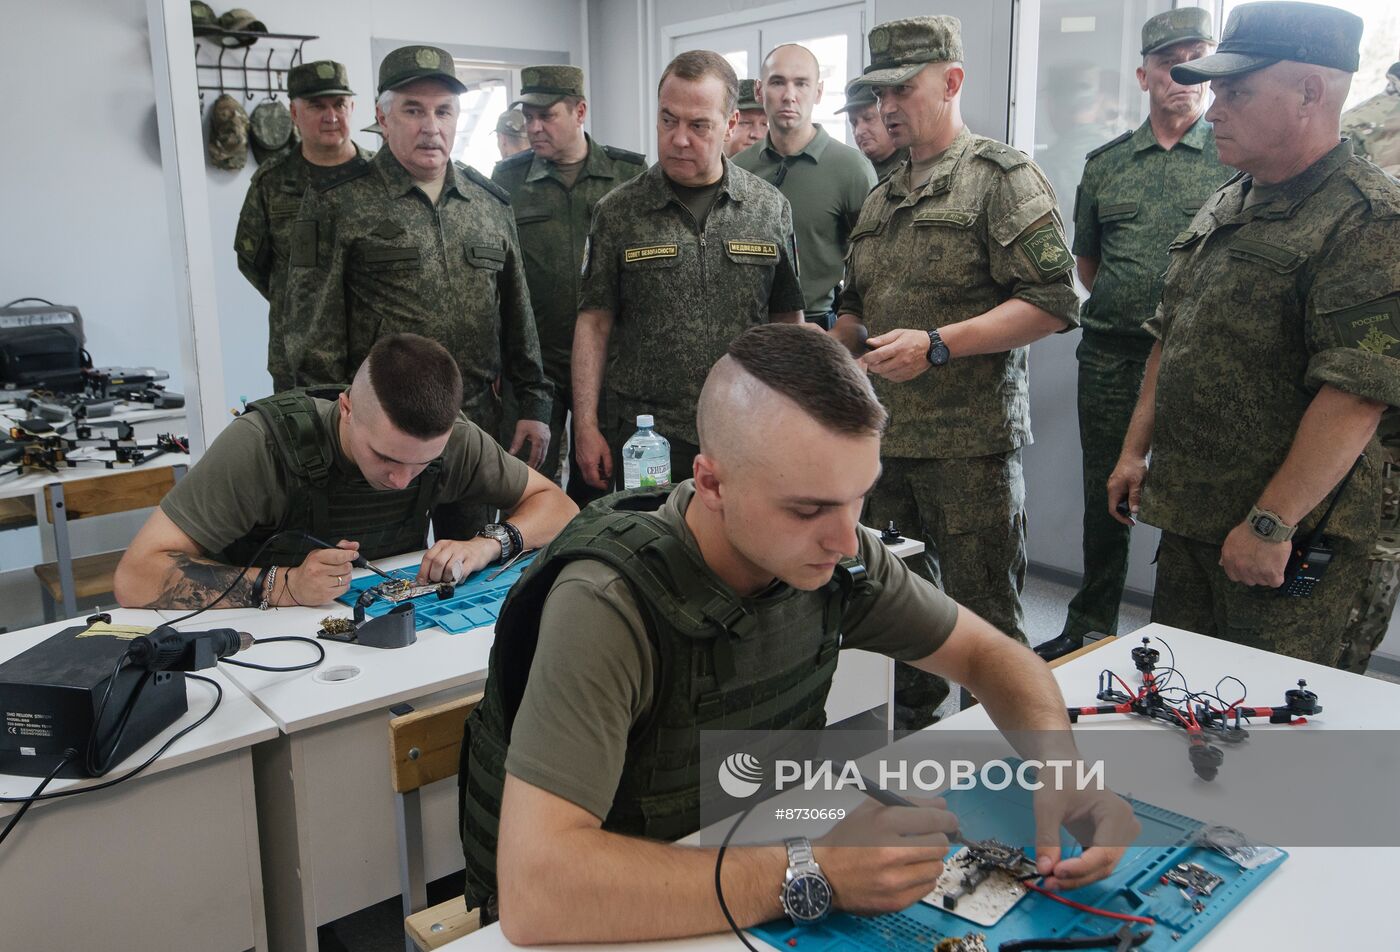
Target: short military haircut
[[696, 65], [813, 371], [417, 384]]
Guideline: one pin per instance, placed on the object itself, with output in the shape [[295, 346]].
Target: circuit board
[[1146, 883], [474, 604], [967, 894]]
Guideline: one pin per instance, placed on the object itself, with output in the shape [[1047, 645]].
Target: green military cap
[[900, 48], [748, 95], [228, 134], [269, 129], [204, 19], [511, 123], [373, 127], [239, 20], [546, 85], [321, 78], [408, 63], [1186, 24], [858, 96], [1262, 34]]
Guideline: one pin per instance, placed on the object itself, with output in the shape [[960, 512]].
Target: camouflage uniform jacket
[[983, 230], [264, 236], [680, 293], [1262, 306], [891, 162], [553, 224], [1136, 197], [371, 257], [1374, 125]]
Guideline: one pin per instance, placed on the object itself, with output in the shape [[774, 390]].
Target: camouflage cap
[[900, 48], [321, 78], [269, 128], [858, 96], [748, 95], [239, 20], [408, 63], [511, 123], [228, 134], [1185, 24], [1262, 34], [203, 17], [546, 85]]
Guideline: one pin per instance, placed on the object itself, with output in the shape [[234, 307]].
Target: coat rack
[[233, 74]]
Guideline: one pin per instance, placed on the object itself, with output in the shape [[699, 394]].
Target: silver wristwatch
[[806, 895], [499, 534]]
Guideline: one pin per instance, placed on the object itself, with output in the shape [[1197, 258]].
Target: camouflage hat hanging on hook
[[228, 134], [202, 15], [239, 20], [270, 130]]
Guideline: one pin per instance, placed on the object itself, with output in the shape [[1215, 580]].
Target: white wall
[[346, 29]]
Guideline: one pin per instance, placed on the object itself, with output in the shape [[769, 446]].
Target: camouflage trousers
[[1110, 376], [1194, 593], [559, 457], [1370, 616], [971, 516]]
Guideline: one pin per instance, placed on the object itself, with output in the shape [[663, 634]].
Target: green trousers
[[1110, 376], [1194, 593], [1370, 616], [971, 516]]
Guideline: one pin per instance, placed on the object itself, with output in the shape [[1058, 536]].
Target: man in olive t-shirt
[[360, 472], [789, 446]]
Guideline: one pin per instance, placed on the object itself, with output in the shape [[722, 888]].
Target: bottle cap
[[645, 420]]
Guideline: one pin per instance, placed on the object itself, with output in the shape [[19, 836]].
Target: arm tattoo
[[194, 583]]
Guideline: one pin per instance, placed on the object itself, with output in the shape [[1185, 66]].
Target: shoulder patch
[[623, 155], [1047, 251], [1373, 327], [1108, 145], [348, 173], [491, 187], [1000, 153]]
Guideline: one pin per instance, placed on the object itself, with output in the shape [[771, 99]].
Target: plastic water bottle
[[646, 457]]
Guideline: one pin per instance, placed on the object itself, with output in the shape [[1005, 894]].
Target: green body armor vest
[[325, 502], [720, 666]]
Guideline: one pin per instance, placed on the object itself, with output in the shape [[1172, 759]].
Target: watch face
[[1265, 526], [938, 354], [807, 897]]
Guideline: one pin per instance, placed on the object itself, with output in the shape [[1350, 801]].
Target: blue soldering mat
[[475, 603], [1135, 888]]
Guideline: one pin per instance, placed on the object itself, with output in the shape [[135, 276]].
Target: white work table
[[1295, 907], [324, 799], [149, 863]]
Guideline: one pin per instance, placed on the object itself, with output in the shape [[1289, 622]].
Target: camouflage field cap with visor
[[1183, 25], [239, 20], [546, 85], [409, 63], [511, 123], [748, 95], [858, 96], [900, 48], [203, 17], [321, 78], [1262, 34]]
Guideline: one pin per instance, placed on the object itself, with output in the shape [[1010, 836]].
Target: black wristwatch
[[937, 350]]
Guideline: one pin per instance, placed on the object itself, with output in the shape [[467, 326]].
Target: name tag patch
[[759, 249], [631, 255]]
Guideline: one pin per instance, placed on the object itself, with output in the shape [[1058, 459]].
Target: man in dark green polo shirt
[[862, 110], [1138, 192], [553, 187], [825, 181], [680, 260]]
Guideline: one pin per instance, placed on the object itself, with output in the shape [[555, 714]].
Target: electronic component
[[980, 882], [402, 589], [1193, 876], [394, 629], [972, 942]]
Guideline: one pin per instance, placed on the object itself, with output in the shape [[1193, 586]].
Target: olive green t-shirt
[[593, 675], [238, 485]]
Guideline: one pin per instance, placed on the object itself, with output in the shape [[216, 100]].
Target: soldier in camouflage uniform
[[418, 243], [679, 261], [1278, 348], [510, 133], [1374, 128], [553, 187], [321, 109], [1137, 193], [957, 263], [862, 110], [753, 121]]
